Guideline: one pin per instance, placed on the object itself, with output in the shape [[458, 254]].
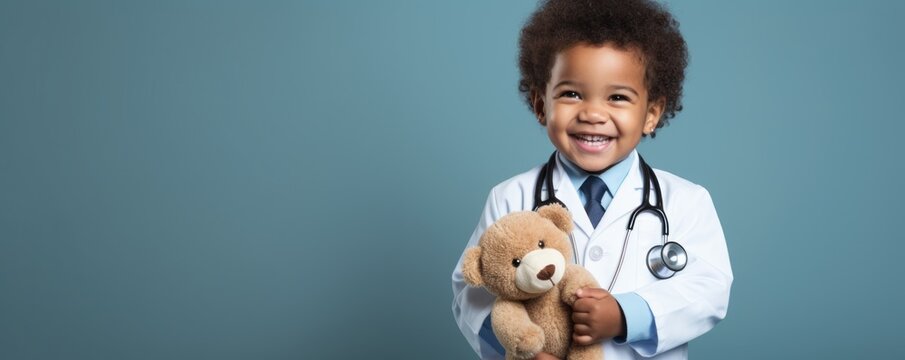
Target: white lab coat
[[684, 306]]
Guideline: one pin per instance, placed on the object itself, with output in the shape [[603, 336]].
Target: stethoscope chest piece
[[665, 260]]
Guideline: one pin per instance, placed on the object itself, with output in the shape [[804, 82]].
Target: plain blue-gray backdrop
[[288, 180]]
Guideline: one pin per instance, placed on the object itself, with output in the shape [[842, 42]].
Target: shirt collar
[[612, 177]]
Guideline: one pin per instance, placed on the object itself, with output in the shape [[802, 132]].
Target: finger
[[584, 305], [581, 329], [581, 318], [582, 339], [596, 293], [581, 306]]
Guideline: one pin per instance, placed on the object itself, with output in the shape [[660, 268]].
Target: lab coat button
[[596, 253]]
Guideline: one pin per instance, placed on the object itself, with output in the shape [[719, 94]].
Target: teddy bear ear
[[471, 267], [558, 215]]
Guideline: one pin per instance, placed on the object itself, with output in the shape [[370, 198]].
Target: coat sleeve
[[472, 305], [694, 300]]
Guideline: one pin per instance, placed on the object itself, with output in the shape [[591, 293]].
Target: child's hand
[[597, 316]]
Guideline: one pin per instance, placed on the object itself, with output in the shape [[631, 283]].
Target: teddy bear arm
[[520, 336], [576, 277]]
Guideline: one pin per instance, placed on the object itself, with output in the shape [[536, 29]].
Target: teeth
[[592, 138]]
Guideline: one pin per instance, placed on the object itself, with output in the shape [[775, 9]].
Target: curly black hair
[[642, 24]]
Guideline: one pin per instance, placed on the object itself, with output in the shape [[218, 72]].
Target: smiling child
[[601, 75]]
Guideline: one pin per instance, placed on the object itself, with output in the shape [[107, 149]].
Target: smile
[[591, 143], [592, 138]]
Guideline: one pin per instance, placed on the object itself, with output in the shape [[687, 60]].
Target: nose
[[593, 113], [546, 273]]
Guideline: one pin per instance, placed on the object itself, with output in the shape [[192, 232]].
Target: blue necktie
[[593, 189]]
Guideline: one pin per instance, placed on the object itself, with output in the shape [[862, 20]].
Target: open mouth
[[592, 142]]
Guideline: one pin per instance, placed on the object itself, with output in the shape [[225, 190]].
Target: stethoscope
[[663, 260]]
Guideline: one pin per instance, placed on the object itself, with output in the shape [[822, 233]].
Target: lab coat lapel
[[626, 198], [566, 193]]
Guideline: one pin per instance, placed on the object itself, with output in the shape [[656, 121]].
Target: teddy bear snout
[[547, 272], [540, 270]]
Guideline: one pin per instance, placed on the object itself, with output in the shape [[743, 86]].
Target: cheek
[[556, 125], [631, 125], [555, 131], [557, 113]]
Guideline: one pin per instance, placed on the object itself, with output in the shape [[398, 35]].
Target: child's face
[[595, 106]]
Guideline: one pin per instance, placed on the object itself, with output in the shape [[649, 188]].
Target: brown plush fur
[[526, 323]]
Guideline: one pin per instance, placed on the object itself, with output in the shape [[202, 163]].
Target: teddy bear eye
[[516, 262], [540, 244]]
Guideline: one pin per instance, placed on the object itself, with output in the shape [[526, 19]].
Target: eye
[[569, 94], [541, 244], [618, 97], [516, 262]]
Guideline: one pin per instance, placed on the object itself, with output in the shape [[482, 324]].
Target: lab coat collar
[[566, 193], [626, 199]]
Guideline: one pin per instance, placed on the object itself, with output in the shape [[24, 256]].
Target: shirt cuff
[[490, 346], [641, 330]]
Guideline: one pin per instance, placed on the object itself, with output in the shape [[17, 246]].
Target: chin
[[594, 166]]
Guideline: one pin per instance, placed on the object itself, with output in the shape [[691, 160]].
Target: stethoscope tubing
[[671, 258], [621, 260]]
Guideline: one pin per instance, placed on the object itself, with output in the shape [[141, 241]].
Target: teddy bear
[[521, 258]]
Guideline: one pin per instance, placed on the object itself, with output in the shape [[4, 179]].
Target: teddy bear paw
[[571, 299], [530, 343]]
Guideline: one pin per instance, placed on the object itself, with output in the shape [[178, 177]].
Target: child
[[600, 75]]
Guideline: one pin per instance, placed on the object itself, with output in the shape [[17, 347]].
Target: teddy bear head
[[522, 255]]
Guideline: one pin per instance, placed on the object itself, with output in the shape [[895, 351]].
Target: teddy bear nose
[[547, 272]]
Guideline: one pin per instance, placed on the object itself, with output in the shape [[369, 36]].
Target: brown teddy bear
[[521, 259]]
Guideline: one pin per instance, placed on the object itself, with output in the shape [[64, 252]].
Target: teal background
[[288, 180]]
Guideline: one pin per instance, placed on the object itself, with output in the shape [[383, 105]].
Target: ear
[[558, 215], [471, 267], [537, 105], [654, 112]]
